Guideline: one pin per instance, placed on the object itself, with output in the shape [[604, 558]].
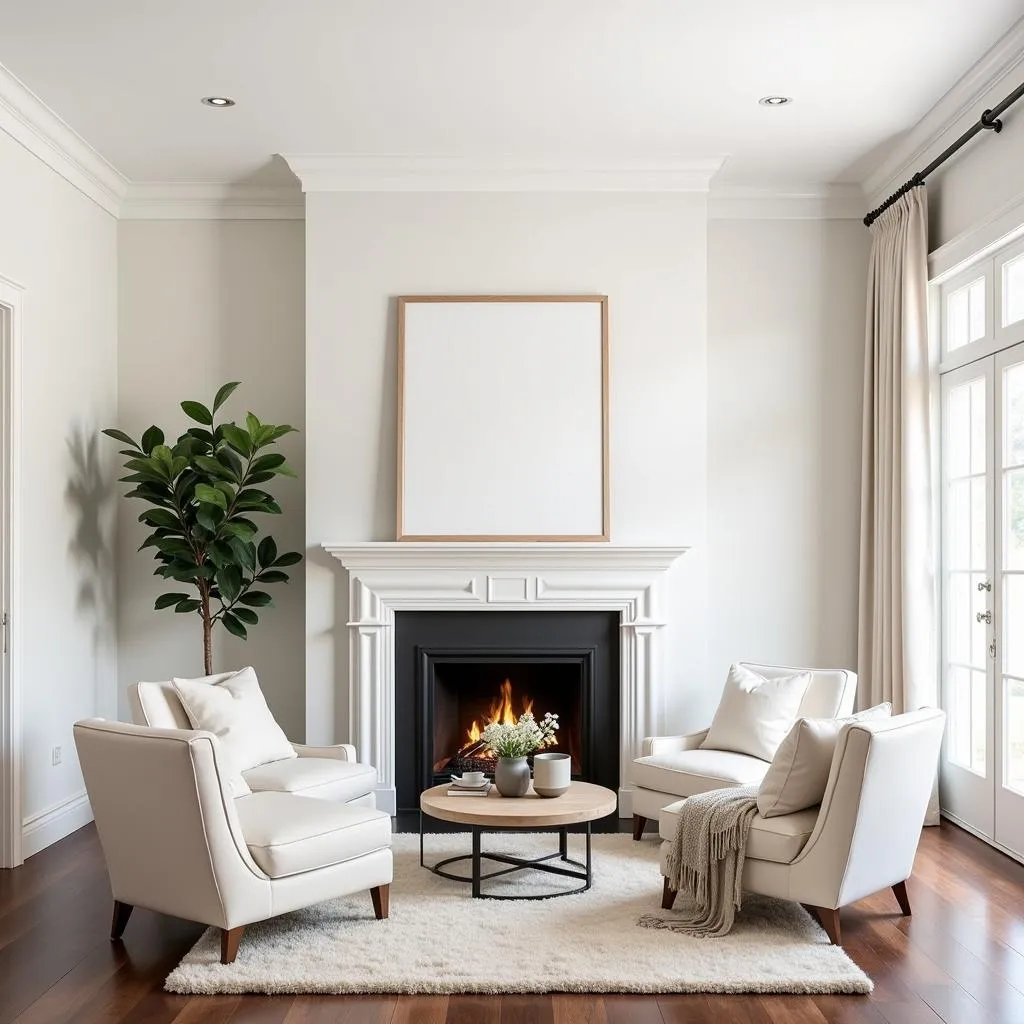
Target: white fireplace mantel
[[387, 577]]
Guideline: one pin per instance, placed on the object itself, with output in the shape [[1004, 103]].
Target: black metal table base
[[477, 877]]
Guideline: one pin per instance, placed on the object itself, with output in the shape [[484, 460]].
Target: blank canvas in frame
[[503, 418]]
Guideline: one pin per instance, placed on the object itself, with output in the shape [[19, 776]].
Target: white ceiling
[[581, 79]]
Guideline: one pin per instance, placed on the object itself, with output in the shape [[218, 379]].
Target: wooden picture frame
[[503, 429]]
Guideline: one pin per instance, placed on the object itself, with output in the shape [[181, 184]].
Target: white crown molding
[[349, 173], [928, 137], [202, 200], [787, 202], [32, 123]]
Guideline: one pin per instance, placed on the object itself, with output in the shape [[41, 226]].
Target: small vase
[[512, 776]]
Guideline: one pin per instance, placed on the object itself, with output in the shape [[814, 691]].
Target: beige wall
[[62, 249], [201, 303], [785, 356]]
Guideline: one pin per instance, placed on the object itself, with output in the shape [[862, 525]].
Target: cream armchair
[[676, 766], [175, 841], [326, 773], [863, 837]]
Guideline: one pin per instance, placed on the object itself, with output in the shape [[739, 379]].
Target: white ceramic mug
[[472, 778], [552, 774]]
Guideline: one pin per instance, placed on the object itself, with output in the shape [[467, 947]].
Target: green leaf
[[120, 435], [151, 438], [201, 435], [161, 517], [228, 458], [244, 552], [188, 605], [239, 528], [259, 478], [257, 599], [237, 438], [224, 392], [252, 424], [232, 625], [220, 554], [198, 412], [273, 576], [265, 462], [210, 495], [247, 615], [267, 551], [229, 581], [288, 558], [209, 517], [280, 431], [286, 470], [175, 546], [214, 467], [166, 600]]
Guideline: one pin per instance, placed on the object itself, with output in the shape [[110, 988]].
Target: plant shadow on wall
[[202, 493], [89, 495]]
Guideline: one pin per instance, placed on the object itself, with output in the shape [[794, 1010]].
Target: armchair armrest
[[673, 744], [338, 752]]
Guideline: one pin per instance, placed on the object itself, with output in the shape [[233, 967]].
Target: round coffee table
[[581, 803]]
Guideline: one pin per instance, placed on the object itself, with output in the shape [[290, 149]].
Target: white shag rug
[[438, 939]]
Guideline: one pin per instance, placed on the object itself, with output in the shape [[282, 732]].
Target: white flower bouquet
[[522, 738]]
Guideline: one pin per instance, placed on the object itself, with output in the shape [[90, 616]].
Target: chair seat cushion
[[288, 834], [322, 777], [685, 772], [775, 839]]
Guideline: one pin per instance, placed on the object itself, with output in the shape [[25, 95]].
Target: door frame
[[11, 825]]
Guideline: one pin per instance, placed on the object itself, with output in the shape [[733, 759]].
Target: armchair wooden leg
[[899, 890], [380, 894], [122, 911], [229, 940], [829, 919], [668, 896], [638, 826]]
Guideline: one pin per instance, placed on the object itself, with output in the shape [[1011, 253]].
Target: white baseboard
[[984, 838], [44, 828]]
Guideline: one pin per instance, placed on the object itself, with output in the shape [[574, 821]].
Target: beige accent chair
[[326, 773], [864, 835], [675, 766], [175, 840]]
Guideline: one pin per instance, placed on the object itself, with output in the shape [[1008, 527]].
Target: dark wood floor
[[960, 959]]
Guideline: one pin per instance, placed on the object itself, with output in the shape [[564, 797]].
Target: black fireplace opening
[[457, 671]]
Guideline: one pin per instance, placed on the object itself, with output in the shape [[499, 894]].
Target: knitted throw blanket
[[706, 861]]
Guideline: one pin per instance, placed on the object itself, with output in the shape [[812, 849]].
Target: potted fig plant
[[200, 495]]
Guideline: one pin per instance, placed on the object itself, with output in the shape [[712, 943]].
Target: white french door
[[983, 595]]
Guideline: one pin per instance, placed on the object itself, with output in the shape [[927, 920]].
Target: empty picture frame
[[503, 418]]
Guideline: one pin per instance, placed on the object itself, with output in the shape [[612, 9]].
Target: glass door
[[967, 561], [1008, 598]]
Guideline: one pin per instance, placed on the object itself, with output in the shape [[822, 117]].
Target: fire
[[499, 711]]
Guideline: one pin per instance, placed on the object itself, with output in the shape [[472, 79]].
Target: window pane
[[958, 431], [978, 559], [960, 716], [1013, 415], [979, 463], [1013, 519], [958, 524], [978, 702], [1013, 291], [1013, 704], [1012, 632], [965, 315], [958, 617]]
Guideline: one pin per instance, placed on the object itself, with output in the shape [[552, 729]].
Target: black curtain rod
[[989, 121]]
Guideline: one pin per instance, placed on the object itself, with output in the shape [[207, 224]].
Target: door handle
[[984, 616], [985, 585]]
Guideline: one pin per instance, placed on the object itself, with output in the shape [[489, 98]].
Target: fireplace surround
[[388, 577]]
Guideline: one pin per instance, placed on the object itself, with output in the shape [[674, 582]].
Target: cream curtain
[[897, 620]]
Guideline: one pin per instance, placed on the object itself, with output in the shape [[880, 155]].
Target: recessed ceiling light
[[775, 101], [218, 101]]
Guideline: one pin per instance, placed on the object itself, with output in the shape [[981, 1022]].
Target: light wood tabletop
[[582, 801]]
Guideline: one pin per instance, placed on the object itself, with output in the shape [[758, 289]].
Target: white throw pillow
[[235, 711], [800, 769], [755, 713]]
